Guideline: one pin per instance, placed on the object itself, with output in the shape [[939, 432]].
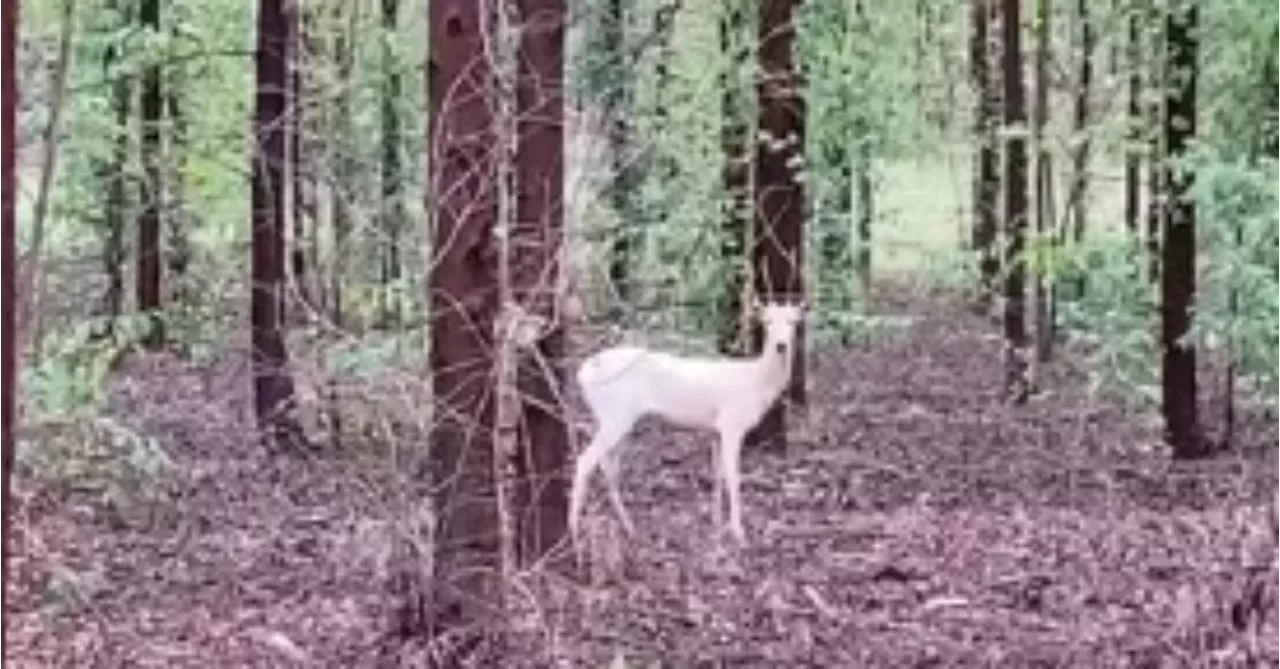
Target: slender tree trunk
[[616, 102], [341, 163], [48, 169], [862, 170], [779, 213], [8, 149], [1079, 196], [1156, 151], [301, 178], [392, 177], [272, 384], [1133, 134], [1178, 280], [1017, 387], [542, 462], [1045, 237], [150, 255], [464, 593], [986, 182], [180, 220], [114, 181], [735, 174]]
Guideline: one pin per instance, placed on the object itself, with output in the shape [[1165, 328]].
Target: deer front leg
[[730, 463]]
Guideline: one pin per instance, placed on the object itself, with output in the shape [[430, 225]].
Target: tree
[[1156, 149], [463, 289], [1133, 134], [537, 236], [8, 149], [179, 217], [866, 191], [272, 383], [1042, 290], [735, 173], [392, 214], [986, 187], [777, 251], [1179, 395], [1078, 198], [300, 172], [617, 98], [152, 188], [1015, 205], [112, 176]]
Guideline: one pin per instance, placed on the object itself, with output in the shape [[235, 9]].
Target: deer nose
[[781, 348]]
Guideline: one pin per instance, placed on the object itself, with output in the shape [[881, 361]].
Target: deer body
[[623, 384]]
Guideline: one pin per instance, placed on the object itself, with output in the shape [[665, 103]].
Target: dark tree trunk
[[114, 183], [1133, 134], [1178, 280], [149, 252], [272, 383], [735, 175], [616, 101], [1017, 387], [392, 178], [8, 149], [1043, 289], [986, 182], [538, 234], [464, 592], [1079, 196], [778, 248]]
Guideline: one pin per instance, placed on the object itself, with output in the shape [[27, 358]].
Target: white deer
[[624, 383]]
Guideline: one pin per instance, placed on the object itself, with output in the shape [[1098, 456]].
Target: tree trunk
[[341, 161], [8, 149], [393, 212], [543, 457], [272, 383], [1045, 237], [866, 189], [48, 169], [179, 252], [465, 590], [1017, 387], [1178, 280], [1133, 134], [616, 101], [986, 182], [1156, 150], [1078, 199], [150, 255], [777, 251], [114, 180], [301, 180], [735, 175]]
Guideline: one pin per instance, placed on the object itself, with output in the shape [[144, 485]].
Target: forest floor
[[917, 521]]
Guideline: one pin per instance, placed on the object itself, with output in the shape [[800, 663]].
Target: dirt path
[[917, 522]]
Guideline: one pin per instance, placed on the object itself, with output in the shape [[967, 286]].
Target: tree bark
[[616, 102], [1017, 387], [1045, 236], [986, 182], [1079, 196], [1156, 150], [1133, 134], [778, 248], [862, 170], [464, 593], [272, 383], [8, 357], [150, 255], [300, 171], [178, 219], [1179, 394], [393, 212], [543, 457], [735, 175], [114, 180]]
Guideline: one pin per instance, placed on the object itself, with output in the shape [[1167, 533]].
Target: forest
[[320, 317]]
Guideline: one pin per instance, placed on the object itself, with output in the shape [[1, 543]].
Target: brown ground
[[917, 522]]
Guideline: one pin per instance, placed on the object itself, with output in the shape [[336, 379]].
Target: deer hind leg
[[606, 439]]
